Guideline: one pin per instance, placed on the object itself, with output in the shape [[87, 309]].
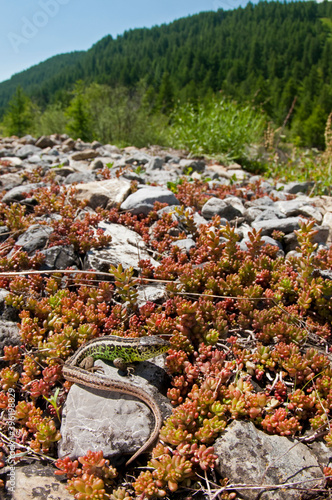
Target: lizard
[[122, 351]]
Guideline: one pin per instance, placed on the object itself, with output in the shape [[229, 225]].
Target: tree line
[[275, 56]]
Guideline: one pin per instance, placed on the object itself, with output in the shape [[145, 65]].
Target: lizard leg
[[88, 364], [124, 366]]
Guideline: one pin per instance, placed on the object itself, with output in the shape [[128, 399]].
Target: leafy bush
[[216, 127]]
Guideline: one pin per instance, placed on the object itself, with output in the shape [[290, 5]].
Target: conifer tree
[[79, 125], [18, 119]]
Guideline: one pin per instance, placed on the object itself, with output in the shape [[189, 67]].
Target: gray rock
[[185, 245], [299, 187], [37, 481], [327, 221], [51, 153], [45, 141], [265, 185], [287, 225], [69, 142], [80, 177], [270, 213], [35, 237], [198, 219], [4, 152], [278, 195], [124, 423], [126, 248], [169, 158], [86, 154], [250, 457], [60, 257], [322, 452], [151, 293], [290, 242], [220, 170], [217, 183], [235, 202], [9, 334], [238, 175], [7, 313], [27, 139], [260, 202], [96, 164], [299, 207], [142, 201], [270, 241], [161, 177], [4, 233], [105, 194], [11, 180], [251, 213], [18, 193], [138, 158], [63, 171], [132, 176], [27, 150], [156, 163], [111, 149], [322, 234], [311, 212], [215, 206], [189, 166]]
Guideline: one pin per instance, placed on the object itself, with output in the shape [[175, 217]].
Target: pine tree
[[18, 118], [78, 114], [166, 95]]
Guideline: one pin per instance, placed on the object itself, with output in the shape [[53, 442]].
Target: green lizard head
[[149, 347]]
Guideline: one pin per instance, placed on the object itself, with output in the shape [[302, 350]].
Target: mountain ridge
[[267, 54]]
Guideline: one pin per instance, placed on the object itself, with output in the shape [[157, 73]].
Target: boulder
[[287, 225], [105, 194], [124, 423], [299, 187], [126, 248], [138, 158], [223, 208], [156, 163], [45, 141], [86, 154], [27, 150], [189, 166], [36, 236], [257, 461], [142, 201], [37, 480], [18, 193], [60, 257]]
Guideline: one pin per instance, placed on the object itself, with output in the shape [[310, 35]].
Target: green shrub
[[218, 127]]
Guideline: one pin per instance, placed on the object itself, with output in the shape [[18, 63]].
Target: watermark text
[[31, 26], [11, 434]]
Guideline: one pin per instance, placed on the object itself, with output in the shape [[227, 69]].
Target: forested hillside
[[272, 55], [43, 80]]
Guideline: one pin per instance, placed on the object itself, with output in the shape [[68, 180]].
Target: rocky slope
[[36, 177]]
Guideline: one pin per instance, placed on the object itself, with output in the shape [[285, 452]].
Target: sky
[[34, 30]]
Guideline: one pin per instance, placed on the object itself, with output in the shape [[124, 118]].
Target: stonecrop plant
[[250, 334]]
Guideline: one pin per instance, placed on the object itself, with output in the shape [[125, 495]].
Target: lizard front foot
[[122, 365]]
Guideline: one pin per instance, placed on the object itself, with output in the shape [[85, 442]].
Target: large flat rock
[[105, 194], [126, 248], [251, 457], [124, 422]]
